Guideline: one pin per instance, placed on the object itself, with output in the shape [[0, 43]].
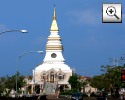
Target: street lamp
[[29, 52], [22, 31]]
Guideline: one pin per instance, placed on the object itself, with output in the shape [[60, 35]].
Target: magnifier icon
[[111, 11]]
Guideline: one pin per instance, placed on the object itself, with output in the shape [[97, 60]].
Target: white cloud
[[88, 17]]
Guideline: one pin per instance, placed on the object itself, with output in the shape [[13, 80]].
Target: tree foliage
[[2, 85], [75, 82], [111, 78], [8, 83]]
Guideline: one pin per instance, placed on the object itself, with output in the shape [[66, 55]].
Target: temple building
[[53, 72]]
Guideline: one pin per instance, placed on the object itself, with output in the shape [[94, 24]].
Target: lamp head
[[24, 31], [40, 52]]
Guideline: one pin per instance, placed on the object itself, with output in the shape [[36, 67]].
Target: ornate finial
[[54, 26]]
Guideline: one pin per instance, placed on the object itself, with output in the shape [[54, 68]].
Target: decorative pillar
[[32, 88], [64, 88], [49, 77], [54, 78], [40, 88]]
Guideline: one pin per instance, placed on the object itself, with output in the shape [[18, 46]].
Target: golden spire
[[54, 16], [54, 26]]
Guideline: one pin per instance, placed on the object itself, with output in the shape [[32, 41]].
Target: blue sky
[[88, 43]]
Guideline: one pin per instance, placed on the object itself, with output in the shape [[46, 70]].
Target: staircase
[[49, 88]]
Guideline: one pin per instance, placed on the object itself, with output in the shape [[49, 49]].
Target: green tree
[[9, 82], [110, 79], [2, 85], [75, 83], [113, 75]]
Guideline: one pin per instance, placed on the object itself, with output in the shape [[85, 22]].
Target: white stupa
[[53, 69]]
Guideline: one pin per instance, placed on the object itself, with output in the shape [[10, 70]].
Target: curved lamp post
[[29, 52], [22, 31]]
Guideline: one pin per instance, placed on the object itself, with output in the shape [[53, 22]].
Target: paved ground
[[64, 98], [85, 98]]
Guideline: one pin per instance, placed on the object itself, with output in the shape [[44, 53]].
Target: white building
[[53, 72]]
